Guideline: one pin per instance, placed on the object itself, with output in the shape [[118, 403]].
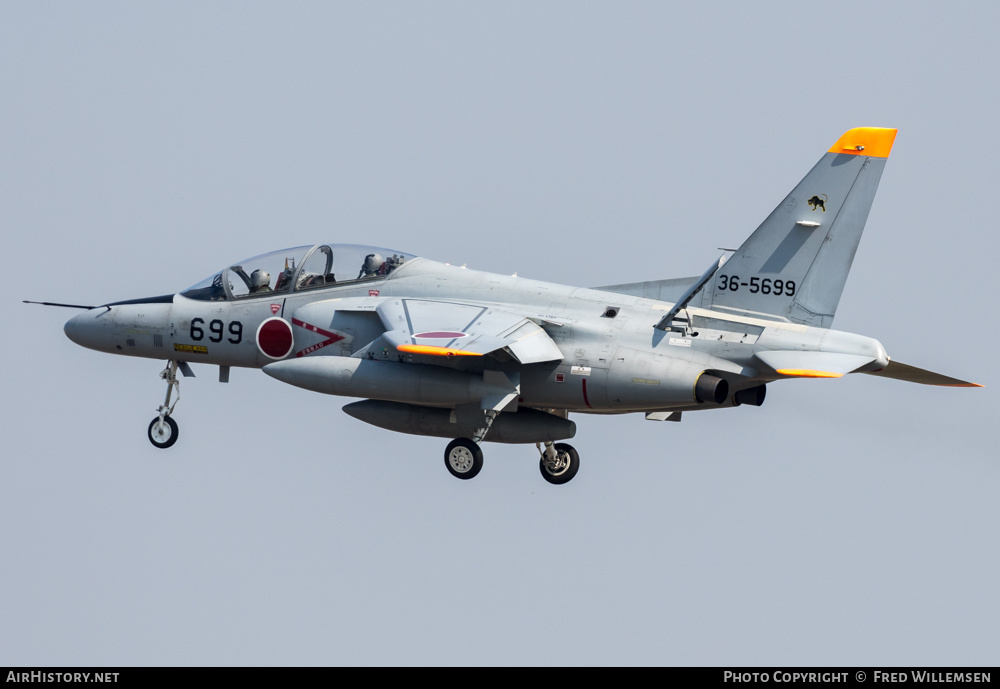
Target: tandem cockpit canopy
[[298, 269]]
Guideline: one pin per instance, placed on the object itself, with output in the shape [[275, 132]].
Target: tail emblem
[[817, 202]]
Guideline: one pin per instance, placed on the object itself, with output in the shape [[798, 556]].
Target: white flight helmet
[[258, 279], [372, 263]]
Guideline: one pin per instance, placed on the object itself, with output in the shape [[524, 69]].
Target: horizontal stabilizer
[[814, 364], [661, 290], [913, 374]]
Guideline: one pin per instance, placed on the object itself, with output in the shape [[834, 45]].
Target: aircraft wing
[[437, 328], [447, 328], [913, 374]]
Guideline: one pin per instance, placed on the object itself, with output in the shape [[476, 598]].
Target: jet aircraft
[[441, 350]]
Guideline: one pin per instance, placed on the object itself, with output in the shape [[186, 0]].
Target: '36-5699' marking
[[755, 284]]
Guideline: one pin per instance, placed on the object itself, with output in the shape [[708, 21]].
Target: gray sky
[[146, 145]]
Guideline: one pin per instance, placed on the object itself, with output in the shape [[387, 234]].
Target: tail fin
[[795, 264]]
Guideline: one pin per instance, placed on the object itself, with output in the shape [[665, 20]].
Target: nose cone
[[90, 329]]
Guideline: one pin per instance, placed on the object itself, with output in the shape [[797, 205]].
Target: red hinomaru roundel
[[274, 338]]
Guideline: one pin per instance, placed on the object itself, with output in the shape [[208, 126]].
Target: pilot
[[260, 281], [373, 266], [309, 280]]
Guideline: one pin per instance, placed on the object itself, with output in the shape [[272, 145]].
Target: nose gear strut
[[163, 429]]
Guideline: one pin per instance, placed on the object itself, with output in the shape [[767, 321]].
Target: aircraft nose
[[88, 329]]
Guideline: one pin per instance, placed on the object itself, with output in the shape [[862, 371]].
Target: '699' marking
[[215, 332], [756, 284]]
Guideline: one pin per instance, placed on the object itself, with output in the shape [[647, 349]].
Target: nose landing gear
[[162, 432], [163, 429]]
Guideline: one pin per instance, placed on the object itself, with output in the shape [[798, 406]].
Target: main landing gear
[[464, 458], [163, 429], [559, 462]]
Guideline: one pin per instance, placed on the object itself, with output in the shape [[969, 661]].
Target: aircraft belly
[[522, 426]]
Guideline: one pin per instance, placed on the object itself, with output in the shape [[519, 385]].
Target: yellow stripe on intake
[[435, 351]]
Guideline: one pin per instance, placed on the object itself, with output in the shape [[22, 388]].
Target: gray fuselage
[[613, 360]]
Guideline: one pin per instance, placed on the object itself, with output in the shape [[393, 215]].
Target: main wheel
[[463, 458], [565, 466], [163, 433]]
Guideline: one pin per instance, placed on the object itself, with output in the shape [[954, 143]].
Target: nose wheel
[[163, 432]]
